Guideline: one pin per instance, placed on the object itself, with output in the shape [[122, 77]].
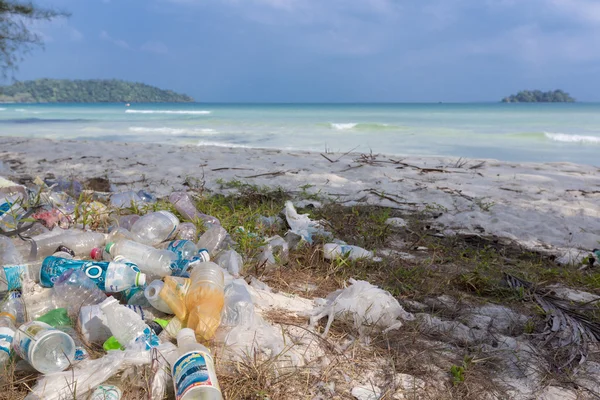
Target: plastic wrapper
[[302, 225], [367, 307]]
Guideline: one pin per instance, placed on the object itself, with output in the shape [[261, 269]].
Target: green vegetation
[[87, 91], [16, 36], [537, 96]]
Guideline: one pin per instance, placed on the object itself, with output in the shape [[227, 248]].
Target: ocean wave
[[362, 126], [173, 131], [564, 137], [20, 110], [192, 112], [2, 109], [222, 144]]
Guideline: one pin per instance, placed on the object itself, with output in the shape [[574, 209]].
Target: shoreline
[[547, 207]]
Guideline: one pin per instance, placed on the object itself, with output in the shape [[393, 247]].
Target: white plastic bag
[[364, 305], [301, 225]]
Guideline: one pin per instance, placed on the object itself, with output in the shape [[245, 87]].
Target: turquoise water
[[512, 132]]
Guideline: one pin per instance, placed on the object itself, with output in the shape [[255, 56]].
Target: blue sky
[[328, 50]]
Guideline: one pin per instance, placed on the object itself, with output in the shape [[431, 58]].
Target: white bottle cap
[[186, 333], [140, 279]]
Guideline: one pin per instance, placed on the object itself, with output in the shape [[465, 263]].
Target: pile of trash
[[78, 275]]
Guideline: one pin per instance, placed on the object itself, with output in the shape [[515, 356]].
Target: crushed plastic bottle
[[9, 255], [213, 239], [156, 227], [184, 205], [332, 251], [150, 260], [193, 370], [15, 306], [47, 349], [75, 289], [238, 308], [231, 261], [205, 298], [127, 328], [81, 243]]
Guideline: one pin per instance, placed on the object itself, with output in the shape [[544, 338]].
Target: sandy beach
[[548, 207]]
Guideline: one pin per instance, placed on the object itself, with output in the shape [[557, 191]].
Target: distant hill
[[87, 91], [537, 96]]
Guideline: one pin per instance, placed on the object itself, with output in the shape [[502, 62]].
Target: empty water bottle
[[127, 328], [127, 221], [238, 308], [150, 260], [231, 261], [152, 295], [9, 255], [205, 298], [185, 249], [75, 289], [7, 335], [193, 370], [333, 250], [15, 306], [213, 239], [11, 211], [156, 227], [126, 199], [81, 243], [187, 231], [184, 204]]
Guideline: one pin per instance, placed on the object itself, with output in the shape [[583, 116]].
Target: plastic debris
[[366, 306], [302, 225]]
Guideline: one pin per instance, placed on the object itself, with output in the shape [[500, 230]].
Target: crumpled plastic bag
[[302, 225], [366, 306], [88, 374]]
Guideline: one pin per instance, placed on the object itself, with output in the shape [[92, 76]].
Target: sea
[[539, 132]]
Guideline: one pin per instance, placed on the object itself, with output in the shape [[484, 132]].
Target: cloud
[[155, 47], [117, 42]]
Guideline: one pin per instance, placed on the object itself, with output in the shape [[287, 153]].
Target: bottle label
[[176, 247], [14, 275], [117, 277], [138, 310], [6, 338], [28, 333], [148, 339], [203, 255], [81, 353], [107, 392], [192, 370]]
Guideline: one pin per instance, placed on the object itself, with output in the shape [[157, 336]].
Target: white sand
[[551, 207]]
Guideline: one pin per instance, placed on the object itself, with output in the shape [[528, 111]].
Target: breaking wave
[[564, 137], [173, 131], [191, 112], [362, 126]]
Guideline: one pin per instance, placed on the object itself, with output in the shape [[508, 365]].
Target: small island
[[537, 96], [87, 91]]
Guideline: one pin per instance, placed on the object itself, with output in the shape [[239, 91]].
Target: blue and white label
[[6, 338], [194, 370], [148, 339], [14, 276], [107, 392]]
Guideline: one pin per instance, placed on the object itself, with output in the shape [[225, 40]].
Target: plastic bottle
[[126, 327], [187, 231], [231, 261], [213, 239], [108, 276], [185, 249], [332, 251], [150, 260], [125, 199], [184, 204], [152, 295], [193, 370], [47, 349], [11, 276], [11, 211], [156, 227], [94, 325], [9, 255], [127, 221], [15, 306], [238, 308], [173, 293], [81, 243], [107, 392], [7, 334], [75, 289], [113, 344], [205, 298]]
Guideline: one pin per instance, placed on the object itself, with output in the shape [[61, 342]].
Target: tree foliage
[[87, 91], [16, 36], [537, 96]]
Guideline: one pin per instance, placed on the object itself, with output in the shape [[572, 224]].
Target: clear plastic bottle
[[239, 308], [9, 255], [173, 293], [184, 204], [127, 327], [81, 243], [205, 298], [11, 211], [193, 370], [156, 227], [125, 199], [75, 289], [152, 295], [333, 250], [213, 239], [127, 221], [15, 306], [7, 334], [185, 249], [47, 349], [187, 231], [11, 276], [231, 261], [110, 277], [150, 260]]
